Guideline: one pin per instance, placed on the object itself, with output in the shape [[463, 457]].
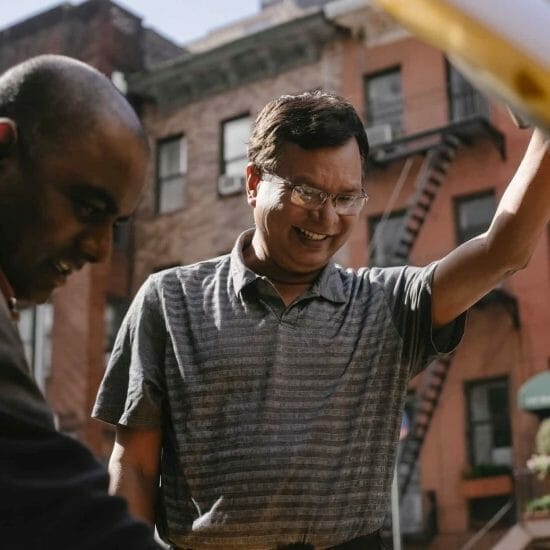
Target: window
[[464, 100], [171, 173], [115, 310], [122, 233], [35, 328], [235, 134], [383, 235], [473, 215], [384, 100], [489, 434]]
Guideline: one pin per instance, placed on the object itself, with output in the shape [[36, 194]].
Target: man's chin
[[34, 296]]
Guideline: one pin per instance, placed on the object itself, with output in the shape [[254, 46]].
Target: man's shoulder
[[364, 281], [367, 274], [196, 272]]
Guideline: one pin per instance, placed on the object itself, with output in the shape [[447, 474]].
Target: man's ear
[[253, 177], [8, 136]]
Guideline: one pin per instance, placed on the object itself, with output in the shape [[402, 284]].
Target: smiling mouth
[[311, 235]]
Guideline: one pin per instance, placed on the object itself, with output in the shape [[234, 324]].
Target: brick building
[[442, 155], [66, 339]]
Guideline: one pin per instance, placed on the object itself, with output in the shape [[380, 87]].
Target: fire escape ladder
[[430, 178], [426, 403]]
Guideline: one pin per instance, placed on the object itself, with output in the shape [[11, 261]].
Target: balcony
[[467, 131]]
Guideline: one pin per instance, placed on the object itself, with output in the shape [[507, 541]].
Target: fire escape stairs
[[428, 183], [438, 158], [439, 155], [430, 178], [426, 404]]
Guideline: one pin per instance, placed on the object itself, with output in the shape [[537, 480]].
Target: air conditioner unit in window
[[230, 185], [379, 134]]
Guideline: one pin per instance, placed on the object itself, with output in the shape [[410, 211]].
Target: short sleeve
[[132, 389], [409, 296]]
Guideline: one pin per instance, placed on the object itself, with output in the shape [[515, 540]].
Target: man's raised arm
[[470, 271]]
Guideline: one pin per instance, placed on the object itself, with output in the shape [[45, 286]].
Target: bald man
[[73, 157]]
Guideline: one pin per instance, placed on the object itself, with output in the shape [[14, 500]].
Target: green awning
[[535, 393]]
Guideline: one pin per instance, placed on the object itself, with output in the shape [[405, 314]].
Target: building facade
[[442, 154]]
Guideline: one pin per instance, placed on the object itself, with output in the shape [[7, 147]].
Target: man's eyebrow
[[89, 192], [306, 180]]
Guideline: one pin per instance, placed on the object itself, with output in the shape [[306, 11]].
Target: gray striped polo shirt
[[279, 423]]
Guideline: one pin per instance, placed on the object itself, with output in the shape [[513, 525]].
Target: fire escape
[[437, 147]]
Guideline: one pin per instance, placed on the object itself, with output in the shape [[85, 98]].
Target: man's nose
[[96, 243], [327, 212]]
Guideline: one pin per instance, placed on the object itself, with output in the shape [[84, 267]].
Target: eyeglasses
[[313, 199]]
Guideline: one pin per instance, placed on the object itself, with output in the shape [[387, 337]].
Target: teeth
[[63, 267], [310, 235]]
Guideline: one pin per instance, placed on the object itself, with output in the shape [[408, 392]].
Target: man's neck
[[289, 285]]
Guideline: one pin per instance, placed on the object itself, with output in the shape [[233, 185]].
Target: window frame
[[397, 130], [462, 199], [372, 222], [470, 423], [159, 181], [222, 161], [38, 342], [478, 103], [119, 305]]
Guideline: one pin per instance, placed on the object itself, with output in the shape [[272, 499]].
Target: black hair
[[311, 120]]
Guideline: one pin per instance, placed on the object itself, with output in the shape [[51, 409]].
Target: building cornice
[[257, 56]]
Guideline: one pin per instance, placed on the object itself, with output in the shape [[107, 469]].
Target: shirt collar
[[241, 274], [328, 285], [9, 295]]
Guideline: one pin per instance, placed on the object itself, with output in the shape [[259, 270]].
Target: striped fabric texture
[[280, 424]]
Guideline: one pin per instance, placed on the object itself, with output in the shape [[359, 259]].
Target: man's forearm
[[524, 209], [139, 490]]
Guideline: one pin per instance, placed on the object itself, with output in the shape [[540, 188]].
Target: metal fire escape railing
[[439, 147], [428, 395], [430, 178]]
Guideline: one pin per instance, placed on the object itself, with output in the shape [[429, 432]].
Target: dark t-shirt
[[53, 492]]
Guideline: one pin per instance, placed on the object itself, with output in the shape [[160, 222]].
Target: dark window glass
[[115, 310], [383, 237], [464, 100], [474, 215], [490, 437]]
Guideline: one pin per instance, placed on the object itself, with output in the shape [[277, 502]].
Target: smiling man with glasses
[[258, 395]]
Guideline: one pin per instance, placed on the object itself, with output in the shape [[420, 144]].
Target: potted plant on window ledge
[[487, 480], [539, 508]]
